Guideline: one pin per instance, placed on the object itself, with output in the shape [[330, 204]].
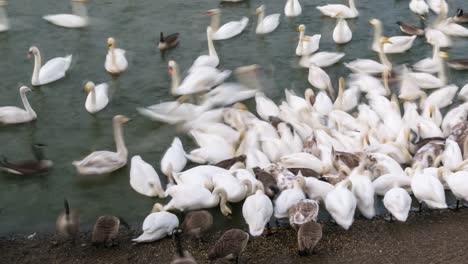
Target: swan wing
[[67, 20], [335, 10], [231, 29], [399, 44], [269, 24], [101, 161], [365, 66], [54, 69], [13, 115], [325, 59], [144, 179], [102, 98], [426, 65]]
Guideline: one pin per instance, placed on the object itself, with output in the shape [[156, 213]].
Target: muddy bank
[[433, 237]]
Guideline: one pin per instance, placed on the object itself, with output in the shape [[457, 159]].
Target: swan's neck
[[383, 57], [119, 141], [442, 14], [175, 79], [377, 34], [113, 59], [37, 67], [352, 5], [3, 17], [442, 76], [261, 15], [215, 20], [27, 106], [301, 35], [211, 48], [93, 97], [79, 9], [435, 52]]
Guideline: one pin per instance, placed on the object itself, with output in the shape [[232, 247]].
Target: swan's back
[[67, 20], [121, 63], [143, 178], [231, 29], [102, 98], [268, 24], [54, 69], [13, 115]]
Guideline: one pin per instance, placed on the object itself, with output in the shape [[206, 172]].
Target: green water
[[29, 204]]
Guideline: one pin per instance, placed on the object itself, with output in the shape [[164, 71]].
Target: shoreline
[[427, 237]]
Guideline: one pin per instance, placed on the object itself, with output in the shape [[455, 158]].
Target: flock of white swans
[[340, 148]]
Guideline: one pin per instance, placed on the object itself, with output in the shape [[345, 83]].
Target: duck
[[199, 198], [197, 223], [398, 202], [168, 41], [266, 24], [39, 166], [399, 44], [419, 7], [51, 71], [410, 29], [174, 159], [229, 29], [101, 162], [321, 59], [182, 256], [342, 33], [460, 17], [341, 204], [144, 179], [334, 10], [304, 211], [230, 245], [106, 229], [458, 64], [10, 115], [78, 19], [4, 22], [292, 8], [288, 198], [211, 60], [319, 78], [157, 226], [428, 190], [116, 62], [456, 181], [68, 222], [307, 44], [97, 98], [371, 66], [257, 211], [308, 236]]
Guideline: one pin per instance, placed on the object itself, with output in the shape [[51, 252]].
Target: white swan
[[317, 189], [97, 98], [210, 60], [437, 37], [100, 162], [288, 198], [307, 44], [371, 66], [236, 190], [16, 115], [419, 7], [398, 203], [321, 59], [292, 8], [53, 70], [78, 19], [4, 22], [265, 106], [428, 81], [341, 204], [342, 33], [449, 27], [144, 179], [429, 65], [437, 5], [363, 190], [399, 44], [266, 24], [428, 189], [115, 58], [340, 10], [157, 226], [320, 79], [174, 159], [457, 182], [228, 30], [257, 211]]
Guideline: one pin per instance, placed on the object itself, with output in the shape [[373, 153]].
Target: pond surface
[[30, 204]]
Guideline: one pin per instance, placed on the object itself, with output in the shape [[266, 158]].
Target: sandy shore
[[431, 237]]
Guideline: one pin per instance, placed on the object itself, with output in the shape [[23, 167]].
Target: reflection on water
[[32, 203]]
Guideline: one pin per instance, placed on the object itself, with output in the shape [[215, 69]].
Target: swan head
[[25, 89], [157, 207], [240, 106], [384, 40], [121, 119], [374, 21], [89, 86], [3, 3], [110, 42], [443, 55], [33, 51], [301, 28], [260, 9], [172, 65], [213, 12]]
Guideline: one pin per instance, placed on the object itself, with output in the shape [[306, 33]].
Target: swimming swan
[[97, 98], [16, 115], [115, 59], [53, 70], [266, 24], [78, 19], [229, 29]]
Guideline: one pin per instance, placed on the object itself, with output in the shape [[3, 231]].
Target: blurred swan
[[228, 94], [419, 7], [288, 198], [97, 98], [335, 10], [429, 81], [437, 5], [398, 44], [210, 60], [265, 106], [157, 226], [342, 33], [115, 58], [429, 65], [228, 30], [78, 19], [320, 79], [16, 115], [457, 182], [437, 37], [307, 44], [257, 211], [266, 24], [361, 186], [321, 59], [100, 162], [144, 179], [212, 148], [398, 202], [4, 23], [371, 66], [341, 204], [51, 71], [292, 8], [173, 112], [449, 27], [427, 189], [174, 159]]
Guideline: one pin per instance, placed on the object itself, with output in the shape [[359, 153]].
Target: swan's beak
[[431, 111], [2, 4], [386, 40], [171, 70], [29, 54], [125, 119], [444, 55], [86, 89]]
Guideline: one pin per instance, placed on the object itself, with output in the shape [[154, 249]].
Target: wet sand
[[428, 237]]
